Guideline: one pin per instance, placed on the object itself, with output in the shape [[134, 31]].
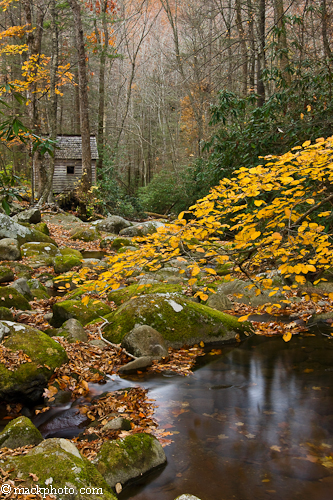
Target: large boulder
[[133, 456], [124, 294], [219, 301], [37, 249], [72, 330], [58, 464], [11, 229], [37, 357], [145, 341], [85, 313], [9, 297], [112, 224], [20, 432], [64, 263], [179, 320], [31, 216], [6, 274], [9, 249], [142, 229], [86, 234]]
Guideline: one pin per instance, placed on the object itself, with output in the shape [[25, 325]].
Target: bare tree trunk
[[252, 45], [241, 34], [47, 192], [84, 103], [327, 48], [282, 40], [261, 52]]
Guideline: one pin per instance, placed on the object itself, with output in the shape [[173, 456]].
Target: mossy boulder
[[9, 297], [179, 320], [6, 314], [118, 243], [112, 224], [28, 379], [42, 227], [86, 234], [124, 294], [6, 274], [141, 229], [37, 249], [38, 290], [11, 229], [133, 456], [20, 432], [22, 270], [73, 331], [9, 249], [57, 462], [64, 263], [62, 311], [71, 251]]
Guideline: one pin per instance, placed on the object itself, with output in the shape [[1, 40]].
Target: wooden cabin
[[68, 162]]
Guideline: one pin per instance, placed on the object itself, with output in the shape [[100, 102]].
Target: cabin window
[[70, 170]]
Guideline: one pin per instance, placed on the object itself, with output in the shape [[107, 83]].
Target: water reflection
[[255, 423]]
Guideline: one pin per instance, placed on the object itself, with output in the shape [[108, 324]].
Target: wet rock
[[6, 274], [20, 432], [142, 229], [28, 380], [145, 341], [137, 364], [57, 462], [119, 423], [21, 286], [9, 297], [9, 249], [64, 263], [32, 216], [121, 461], [62, 311], [72, 330], [86, 234], [179, 321], [112, 224], [187, 497]]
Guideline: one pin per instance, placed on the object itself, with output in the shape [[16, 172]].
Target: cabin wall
[[64, 181]]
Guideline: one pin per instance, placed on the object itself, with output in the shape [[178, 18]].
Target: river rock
[[6, 274], [32, 216], [9, 297], [64, 263], [28, 380], [137, 364], [62, 311], [20, 432], [72, 330], [142, 229], [179, 320], [133, 456], [11, 229], [21, 286], [185, 496], [37, 249], [38, 290], [57, 463], [86, 234], [112, 224], [145, 341], [219, 301], [119, 423], [9, 249]]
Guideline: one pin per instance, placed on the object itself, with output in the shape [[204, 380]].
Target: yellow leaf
[[192, 281], [211, 290], [302, 116], [300, 279], [258, 203], [310, 201], [243, 318], [308, 108], [306, 144], [287, 336], [181, 215], [67, 285], [85, 300], [324, 214], [330, 296], [202, 296], [195, 271], [210, 270], [202, 344]]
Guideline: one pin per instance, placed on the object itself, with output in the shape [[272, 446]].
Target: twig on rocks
[[116, 346]]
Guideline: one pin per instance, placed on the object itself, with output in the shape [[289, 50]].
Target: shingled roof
[[70, 147]]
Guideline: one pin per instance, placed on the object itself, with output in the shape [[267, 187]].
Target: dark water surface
[[255, 422]]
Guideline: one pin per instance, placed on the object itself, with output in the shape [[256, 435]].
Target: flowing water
[[255, 422]]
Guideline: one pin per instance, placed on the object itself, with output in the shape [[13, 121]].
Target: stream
[[254, 422]]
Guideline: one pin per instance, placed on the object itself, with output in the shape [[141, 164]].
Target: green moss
[[36, 249], [45, 355], [6, 314], [71, 251], [124, 294], [86, 235], [9, 297], [179, 320], [35, 235], [66, 469], [121, 242], [6, 274], [42, 227], [20, 432], [22, 270], [62, 311], [64, 263]]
